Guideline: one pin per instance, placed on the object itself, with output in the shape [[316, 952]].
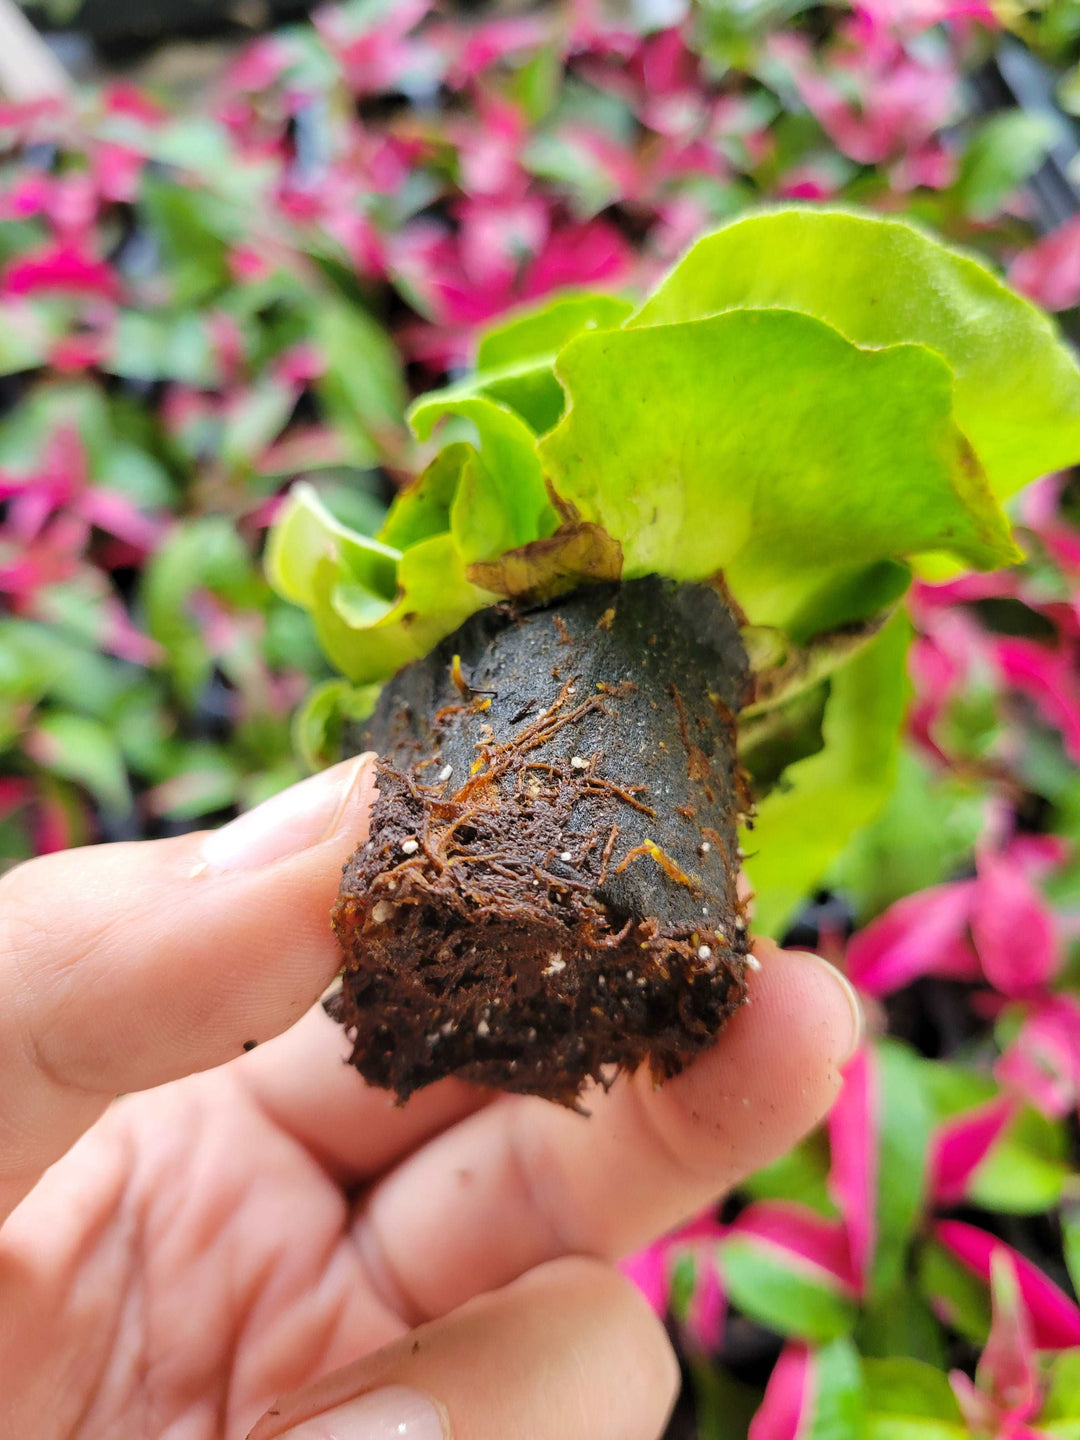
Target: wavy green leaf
[[883, 282], [686, 445], [541, 331], [501, 501]]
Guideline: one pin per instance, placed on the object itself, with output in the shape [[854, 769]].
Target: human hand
[[243, 1225]]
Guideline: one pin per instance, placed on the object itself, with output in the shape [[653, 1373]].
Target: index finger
[[124, 966]]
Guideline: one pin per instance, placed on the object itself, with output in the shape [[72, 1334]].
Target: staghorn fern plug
[[645, 591]]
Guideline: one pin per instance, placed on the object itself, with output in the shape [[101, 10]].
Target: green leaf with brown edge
[[880, 282], [684, 444]]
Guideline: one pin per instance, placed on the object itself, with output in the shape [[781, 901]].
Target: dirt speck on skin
[[527, 912]]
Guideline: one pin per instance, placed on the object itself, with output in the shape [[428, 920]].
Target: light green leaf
[[83, 750], [904, 1141], [927, 828], [1027, 1169], [838, 1394], [960, 1298], [880, 282], [1005, 150], [306, 533], [434, 597], [824, 799], [375, 608], [516, 357], [852, 456], [319, 723], [501, 501], [422, 509], [538, 332], [27, 332], [363, 387], [161, 347], [1060, 1415], [785, 1293], [909, 1400], [800, 1174], [206, 779]]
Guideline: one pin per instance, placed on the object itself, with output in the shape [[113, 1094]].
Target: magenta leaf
[[785, 1410], [1048, 272], [648, 1269], [1008, 1370], [854, 1146], [1048, 676], [1055, 1319], [802, 1232], [812, 1395], [1013, 928], [1043, 1063], [60, 266], [923, 934], [961, 1144]]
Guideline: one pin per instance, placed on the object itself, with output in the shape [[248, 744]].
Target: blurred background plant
[[204, 298]]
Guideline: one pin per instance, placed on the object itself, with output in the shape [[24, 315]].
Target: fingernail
[[394, 1413], [855, 1008], [304, 815]]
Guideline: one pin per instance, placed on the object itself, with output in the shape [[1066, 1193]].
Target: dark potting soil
[[548, 893]]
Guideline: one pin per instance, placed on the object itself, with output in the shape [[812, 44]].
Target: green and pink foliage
[[195, 311]]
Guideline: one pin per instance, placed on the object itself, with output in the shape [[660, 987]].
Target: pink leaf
[[1049, 677], [708, 1306], [1055, 1318], [259, 65], [60, 266], [648, 1269], [1049, 271], [961, 1144], [923, 934], [854, 1137], [1043, 1063], [800, 1231], [118, 516], [117, 170], [979, 1412], [1008, 1370], [123, 98], [785, 1411], [53, 829], [1013, 928], [14, 793]]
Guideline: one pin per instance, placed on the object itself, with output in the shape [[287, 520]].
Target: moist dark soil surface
[[548, 892]]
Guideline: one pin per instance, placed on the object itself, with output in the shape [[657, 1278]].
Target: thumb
[[568, 1352], [124, 966]]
